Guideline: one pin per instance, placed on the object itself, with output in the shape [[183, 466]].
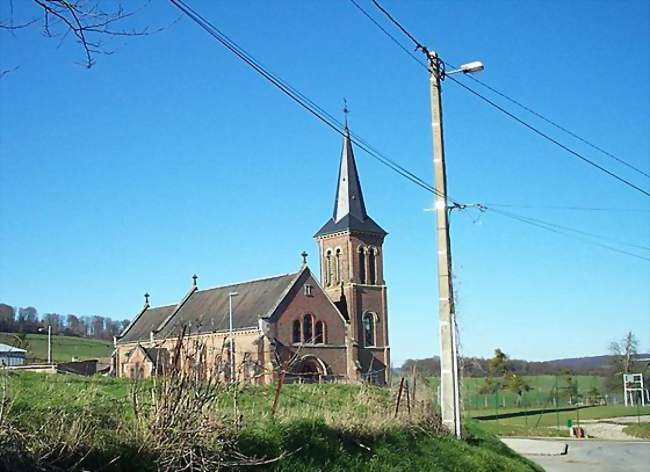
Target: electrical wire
[[420, 46], [298, 97], [557, 229], [569, 208], [331, 122]]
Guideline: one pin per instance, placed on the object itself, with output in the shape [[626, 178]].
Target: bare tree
[[624, 352], [89, 22]]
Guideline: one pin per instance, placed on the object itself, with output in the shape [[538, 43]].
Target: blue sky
[[170, 157]]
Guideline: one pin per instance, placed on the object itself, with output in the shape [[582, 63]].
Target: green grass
[[537, 397], [322, 427], [64, 348], [639, 430], [551, 418]]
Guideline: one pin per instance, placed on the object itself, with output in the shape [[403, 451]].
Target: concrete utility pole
[[232, 340], [49, 344], [449, 384]]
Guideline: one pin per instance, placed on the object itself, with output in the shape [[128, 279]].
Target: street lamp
[[469, 68], [232, 345], [449, 382], [49, 342]]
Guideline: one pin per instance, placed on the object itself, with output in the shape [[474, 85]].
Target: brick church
[[334, 327]]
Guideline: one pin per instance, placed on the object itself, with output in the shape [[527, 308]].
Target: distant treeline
[[28, 320], [480, 367]]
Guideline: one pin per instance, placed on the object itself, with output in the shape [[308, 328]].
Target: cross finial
[[304, 255], [194, 279], [346, 111], [146, 298]]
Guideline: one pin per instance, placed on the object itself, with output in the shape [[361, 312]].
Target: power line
[[557, 229], [549, 138], [297, 96], [331, 122], [569, 208], [420, 46], [573, 230], [560, 127]]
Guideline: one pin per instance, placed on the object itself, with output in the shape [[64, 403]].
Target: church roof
[[146, 322], [204, 311], [349, 208]]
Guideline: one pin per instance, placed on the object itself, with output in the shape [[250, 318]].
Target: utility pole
[[449, 384], [49, 344], [232, 340]]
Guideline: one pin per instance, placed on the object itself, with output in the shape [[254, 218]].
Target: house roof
[[349, 208], [5, 348], [207, 310]]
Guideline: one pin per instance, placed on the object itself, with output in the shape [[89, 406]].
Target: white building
[[10, 355]]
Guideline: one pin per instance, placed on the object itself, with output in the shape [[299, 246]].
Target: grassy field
[[316, 427], [639, 430], [540, 394], [546, 424], [64, 348]]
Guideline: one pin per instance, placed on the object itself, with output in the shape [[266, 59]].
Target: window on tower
[[328, 267], [338, 265], [372, 266], [362, 265], [368, 323]]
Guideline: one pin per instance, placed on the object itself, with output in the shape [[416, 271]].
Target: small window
[[328, 268], [308, 290], [362, 266], [296, 331], [368, 329], [308, 329], [320, 333], [372, 266], [338, 265]]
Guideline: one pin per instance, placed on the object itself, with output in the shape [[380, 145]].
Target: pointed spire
[[349, 198], [349, 208]]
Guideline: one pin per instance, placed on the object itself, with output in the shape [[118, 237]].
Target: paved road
[[598, 456]]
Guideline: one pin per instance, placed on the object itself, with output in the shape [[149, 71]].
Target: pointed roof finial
[[146, 298], [304, 255], [346, 110], [194, 279]]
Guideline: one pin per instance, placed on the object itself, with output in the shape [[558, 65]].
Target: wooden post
[[399, 396], [408, 398], [277, 390]]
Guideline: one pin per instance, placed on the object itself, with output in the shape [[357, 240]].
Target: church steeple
[[349, 198], [349, 208]]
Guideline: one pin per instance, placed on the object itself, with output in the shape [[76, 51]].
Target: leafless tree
[[90, 22]]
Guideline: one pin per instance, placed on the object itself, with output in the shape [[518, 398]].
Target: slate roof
[[349, 208], [154, 354], [207, 310], [147, 321]]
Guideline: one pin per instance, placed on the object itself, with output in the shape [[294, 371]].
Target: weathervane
[[346, 110]]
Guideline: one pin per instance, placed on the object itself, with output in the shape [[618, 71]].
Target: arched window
[[372, 267], [368, 329], [295, 335], [320, 336], [338, 265], [308, 329], [362, 265], [328, 267]]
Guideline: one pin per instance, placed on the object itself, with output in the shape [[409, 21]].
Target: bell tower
[[352, 272]]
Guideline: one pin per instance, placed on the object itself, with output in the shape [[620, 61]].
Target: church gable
[[308, 316]]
